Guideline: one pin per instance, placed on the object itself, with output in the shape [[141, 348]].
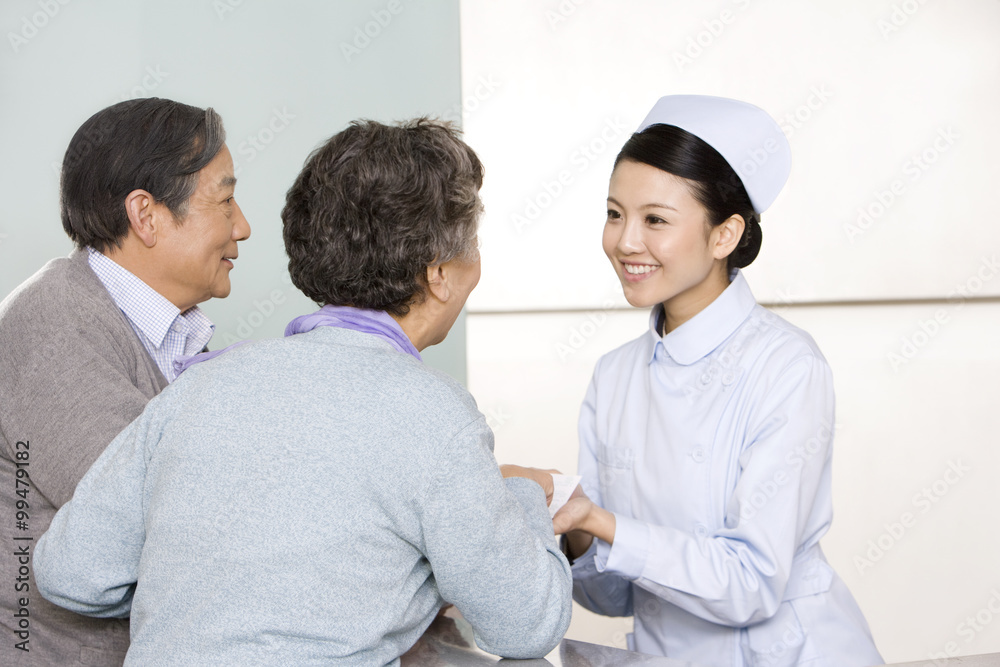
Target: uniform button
[[698, 454], [700, 530], [706, 378], [729, 377]]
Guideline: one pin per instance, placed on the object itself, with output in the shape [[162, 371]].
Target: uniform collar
[[704, 332]]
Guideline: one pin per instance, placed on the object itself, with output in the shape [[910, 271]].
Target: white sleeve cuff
[[627, 556]]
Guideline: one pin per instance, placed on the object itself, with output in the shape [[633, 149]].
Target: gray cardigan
[[311, 501], [73, 374]]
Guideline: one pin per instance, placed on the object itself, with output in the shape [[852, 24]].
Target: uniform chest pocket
[[614, 466]]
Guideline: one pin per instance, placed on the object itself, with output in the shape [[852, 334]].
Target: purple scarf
[[375, 322]]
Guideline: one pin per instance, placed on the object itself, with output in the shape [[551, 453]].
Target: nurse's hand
[[542, 477], [573, 515], [581, 520]]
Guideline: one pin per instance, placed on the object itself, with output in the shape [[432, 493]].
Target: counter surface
[[448, 642]]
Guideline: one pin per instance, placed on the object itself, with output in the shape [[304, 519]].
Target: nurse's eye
[[654, 220], [613, 214]]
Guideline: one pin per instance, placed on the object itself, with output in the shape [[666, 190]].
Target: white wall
[[561, 85]]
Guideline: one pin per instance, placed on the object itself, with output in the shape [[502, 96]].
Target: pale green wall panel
[[284, 76]]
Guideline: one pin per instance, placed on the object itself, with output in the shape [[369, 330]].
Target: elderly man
[[147, 196]]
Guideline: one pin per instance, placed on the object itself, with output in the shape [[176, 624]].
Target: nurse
[[705, 444]]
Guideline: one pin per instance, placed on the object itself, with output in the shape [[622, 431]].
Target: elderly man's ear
[[144, 216]]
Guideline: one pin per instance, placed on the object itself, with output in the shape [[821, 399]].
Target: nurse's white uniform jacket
[[712, 447]]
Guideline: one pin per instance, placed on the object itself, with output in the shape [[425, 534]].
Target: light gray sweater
[[310, 500], [73, 374]]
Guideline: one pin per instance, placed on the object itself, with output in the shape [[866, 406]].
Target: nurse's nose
[[630, 241]]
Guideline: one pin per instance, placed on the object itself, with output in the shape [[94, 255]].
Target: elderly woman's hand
[[542, 477]]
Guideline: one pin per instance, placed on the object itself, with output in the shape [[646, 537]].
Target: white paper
[[564, 487]]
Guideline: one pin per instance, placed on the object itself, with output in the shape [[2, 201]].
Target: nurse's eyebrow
[[650, 205], [654, 205], [227, 181]]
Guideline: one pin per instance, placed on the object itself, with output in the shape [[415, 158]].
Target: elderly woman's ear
[[439, 278], [451, 282]]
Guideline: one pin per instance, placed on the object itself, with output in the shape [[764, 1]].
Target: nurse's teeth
[[638, 268]]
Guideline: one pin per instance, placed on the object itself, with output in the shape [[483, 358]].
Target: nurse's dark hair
[[149, 144], [377, 204], [714, 182]]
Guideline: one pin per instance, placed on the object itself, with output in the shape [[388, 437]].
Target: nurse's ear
[[725, 237]]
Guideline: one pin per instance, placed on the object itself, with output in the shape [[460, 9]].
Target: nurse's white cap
[[746, 136]]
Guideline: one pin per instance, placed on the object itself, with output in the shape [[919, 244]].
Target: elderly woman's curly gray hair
[[375, 206]]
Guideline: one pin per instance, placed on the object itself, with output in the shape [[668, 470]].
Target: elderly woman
[[317, 499]]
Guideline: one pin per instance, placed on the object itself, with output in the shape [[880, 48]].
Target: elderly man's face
[[202, 246]]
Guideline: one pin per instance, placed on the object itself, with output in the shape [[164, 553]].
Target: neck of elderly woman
[[448, 286]]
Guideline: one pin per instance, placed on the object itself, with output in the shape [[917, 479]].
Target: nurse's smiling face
[[660, 243]]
